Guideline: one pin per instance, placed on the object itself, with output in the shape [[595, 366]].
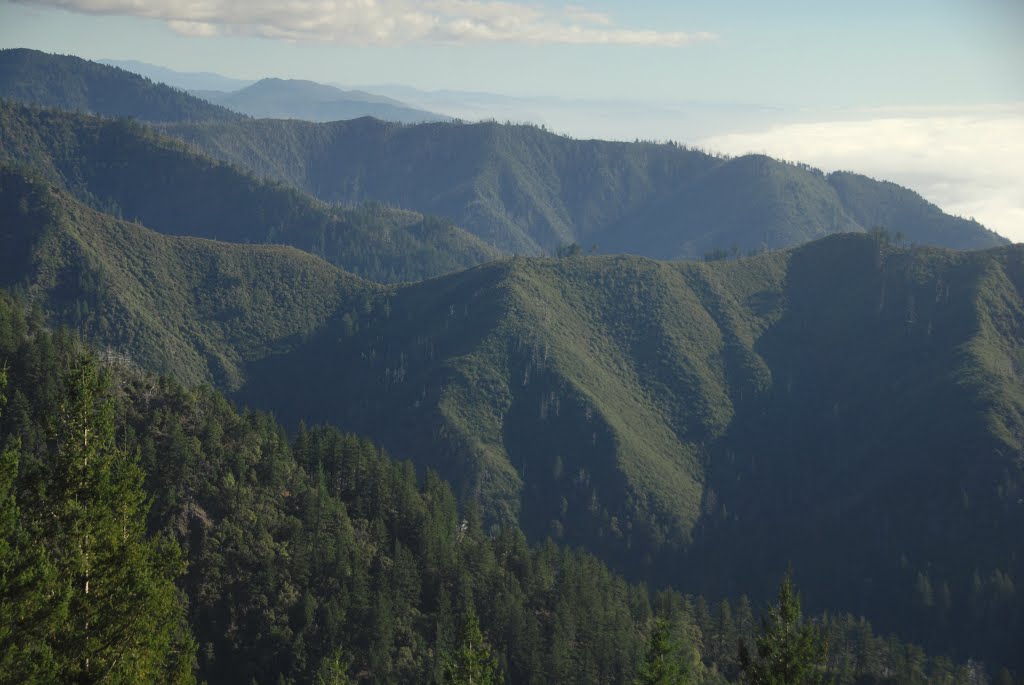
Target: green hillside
[[311, 559], [527, 191], [70, 83], [198, 309], [122, 168], [848, 406]]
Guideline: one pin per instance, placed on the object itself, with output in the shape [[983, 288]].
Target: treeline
[[311, 559]]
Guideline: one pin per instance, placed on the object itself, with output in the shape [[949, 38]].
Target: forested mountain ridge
[[526, 190], [317, 559], [74, 84], [194, 308], [849, 406], [123, 168]]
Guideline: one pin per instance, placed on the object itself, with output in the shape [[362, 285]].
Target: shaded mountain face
[[125, 169], [525, 190], [275, 98], [75, 84]]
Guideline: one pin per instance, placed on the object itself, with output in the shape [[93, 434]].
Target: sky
[[927, 93]]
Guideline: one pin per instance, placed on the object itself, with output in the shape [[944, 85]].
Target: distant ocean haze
[[965, 160]]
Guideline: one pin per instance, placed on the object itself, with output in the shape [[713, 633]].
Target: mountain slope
[[849, 407], [196, 308], [75, 84], [273, 98], [525, 190], [123, 168], [328, 559]]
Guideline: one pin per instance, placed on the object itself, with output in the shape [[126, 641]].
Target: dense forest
[[317, 558]]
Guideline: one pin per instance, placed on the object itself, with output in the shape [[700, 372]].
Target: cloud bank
[[384, 22], [967, 162]]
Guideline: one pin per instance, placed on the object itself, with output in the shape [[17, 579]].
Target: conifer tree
[[113, 614], [789, 650], [473, 662], [663, 664]]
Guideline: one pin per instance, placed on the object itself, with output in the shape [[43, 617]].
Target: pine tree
[[333, 670], [663, 663], [789, 651], [473, 662], [124, 621]]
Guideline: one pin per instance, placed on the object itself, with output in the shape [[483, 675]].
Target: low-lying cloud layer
[[968, 162], [384, 22]]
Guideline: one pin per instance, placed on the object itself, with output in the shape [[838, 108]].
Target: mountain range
[[815, 393], [524, 190], [848, 406]]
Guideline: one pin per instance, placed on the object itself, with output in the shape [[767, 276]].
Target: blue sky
[[927, 93], [787, 53]]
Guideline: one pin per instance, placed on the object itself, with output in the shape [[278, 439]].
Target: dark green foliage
[[790, 650], [525, 190], [472, 662], [663, 663], [122, 168], [70, 83], [86, 596]]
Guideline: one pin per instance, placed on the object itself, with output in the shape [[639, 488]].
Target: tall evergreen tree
[[790, 651], [663, 664], [473, 663], [113, 613]]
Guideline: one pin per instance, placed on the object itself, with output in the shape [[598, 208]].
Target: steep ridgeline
[[525, 190], [312, 560], [75, 84], [197, 309], [848, 406], [295, 99], [122, 168]]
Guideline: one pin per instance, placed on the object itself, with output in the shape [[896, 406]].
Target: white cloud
[[968, 161], [384, 22]]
